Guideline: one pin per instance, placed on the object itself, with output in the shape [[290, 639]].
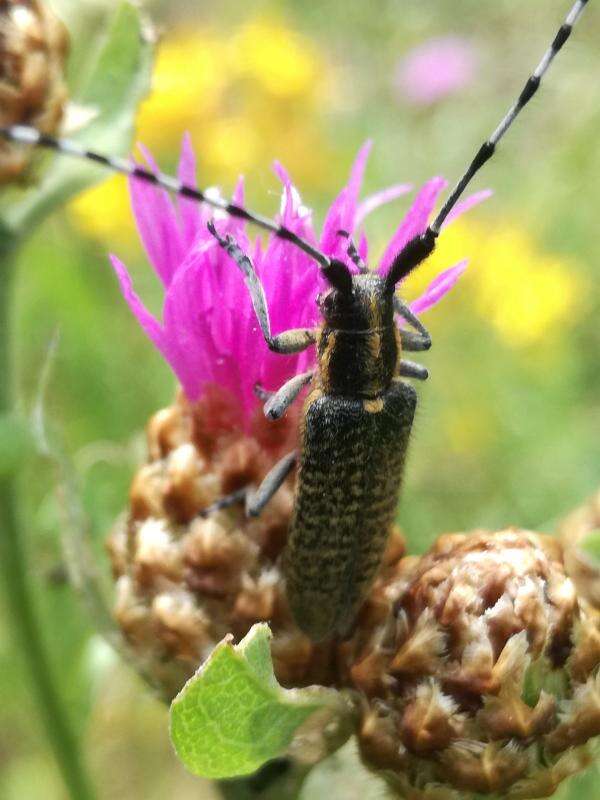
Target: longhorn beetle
[[357, 418]]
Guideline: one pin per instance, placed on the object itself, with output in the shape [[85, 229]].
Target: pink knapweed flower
[[435, 69], [209, 333]]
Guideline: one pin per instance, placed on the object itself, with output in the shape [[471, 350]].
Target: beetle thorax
[[358, 346]]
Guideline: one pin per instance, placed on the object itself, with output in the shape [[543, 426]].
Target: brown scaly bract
[[33, 49], [485, 680], [582, 567]]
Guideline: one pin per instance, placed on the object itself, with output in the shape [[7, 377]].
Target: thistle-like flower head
[[209, 333]]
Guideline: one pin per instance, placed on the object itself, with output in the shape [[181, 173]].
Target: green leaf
[[119, 78], [590, 546], [232, 716]]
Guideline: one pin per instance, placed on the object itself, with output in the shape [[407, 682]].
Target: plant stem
[[19, 596]]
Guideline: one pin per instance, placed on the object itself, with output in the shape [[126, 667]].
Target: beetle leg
[[262, 393], [292, 341], [224, 502], [257, 499], [279, 402], [414, 342], [419, 338], [403, 309], [410, 369]]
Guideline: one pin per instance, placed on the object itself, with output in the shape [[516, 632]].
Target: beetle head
[[364, 303]]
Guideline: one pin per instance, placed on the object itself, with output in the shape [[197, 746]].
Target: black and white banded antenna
[[353, 254], [416, 249], [24, 134], [487, 149], [421, 246]]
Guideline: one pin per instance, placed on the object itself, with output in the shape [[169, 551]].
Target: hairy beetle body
[[353, 442], [353, 454]]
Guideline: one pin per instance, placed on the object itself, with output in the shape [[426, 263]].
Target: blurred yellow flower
[[189, 79], [246, 96], [239, 93], [104, 212], [232, 143], [282, 61], [524, 293]]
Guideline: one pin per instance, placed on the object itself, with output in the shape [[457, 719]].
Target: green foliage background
[[540, 452]]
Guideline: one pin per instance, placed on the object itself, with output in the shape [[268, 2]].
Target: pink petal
[[414, 222], [369, 204], [189, 210], [282, 173], [363, 248], [357, 174], [342, 213], [287, 202], [236, 226], [239, 192], [187, 317], [157, 224], [467, 204], [150, 325], [438, 288], [293, 214]]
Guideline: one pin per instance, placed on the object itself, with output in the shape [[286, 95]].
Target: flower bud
[[487, 680], [33, 49]]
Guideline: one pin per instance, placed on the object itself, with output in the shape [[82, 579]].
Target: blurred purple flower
[[435, 69], [209, 333]]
